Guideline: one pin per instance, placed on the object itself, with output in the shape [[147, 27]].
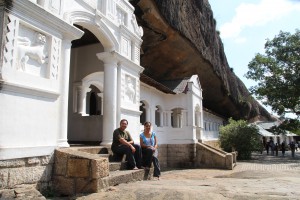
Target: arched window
[[93, 103], [143, 117], [176, 118]]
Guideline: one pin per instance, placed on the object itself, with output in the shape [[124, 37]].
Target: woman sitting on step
[[148, 142]]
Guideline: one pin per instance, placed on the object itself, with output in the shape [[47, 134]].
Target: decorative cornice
[[18, 88], [119, 59], [39, 17]]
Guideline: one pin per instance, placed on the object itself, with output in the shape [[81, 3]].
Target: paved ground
[[265, 177]]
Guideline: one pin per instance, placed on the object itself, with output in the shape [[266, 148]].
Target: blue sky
[[245, 25]]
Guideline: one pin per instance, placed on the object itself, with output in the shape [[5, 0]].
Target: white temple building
[[56, 88]]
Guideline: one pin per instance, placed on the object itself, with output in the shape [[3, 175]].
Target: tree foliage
[[241, 137], [278, 75]]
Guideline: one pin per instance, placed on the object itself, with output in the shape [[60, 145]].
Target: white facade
[[47, 87], [176, 118], [211, 126]]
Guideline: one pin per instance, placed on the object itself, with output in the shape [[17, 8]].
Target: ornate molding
[[28, 90]]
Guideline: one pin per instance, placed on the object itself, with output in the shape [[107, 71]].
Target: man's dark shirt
[[117, 135]]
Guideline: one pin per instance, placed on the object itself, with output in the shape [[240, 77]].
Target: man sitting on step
[[124, 144]]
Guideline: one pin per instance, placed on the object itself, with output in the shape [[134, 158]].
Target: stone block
[[140, 175], [63, 186], [60, 165], [121, 178], [45, 160], [23, 175], [86, 185], [47, 173], [78, 167], [12, 163], [33, 161], [99, 168], [3, 178]]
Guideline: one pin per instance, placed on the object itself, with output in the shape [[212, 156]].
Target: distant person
[[124, 144], [296, 146], [292, 146], [283, 148], [148, 142], [271, 144], [276, 149], [267, 147]]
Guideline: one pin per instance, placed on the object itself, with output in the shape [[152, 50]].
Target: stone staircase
[[79, 170]]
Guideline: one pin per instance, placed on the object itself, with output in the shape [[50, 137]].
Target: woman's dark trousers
[[148, 158]]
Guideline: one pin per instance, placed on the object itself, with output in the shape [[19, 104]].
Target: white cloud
[[240, 40], [250, 15]]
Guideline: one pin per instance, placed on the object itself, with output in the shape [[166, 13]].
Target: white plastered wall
[[33, 72], [187, 132], [211, 126], [34, 98]]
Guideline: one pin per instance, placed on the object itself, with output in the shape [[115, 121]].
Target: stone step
[[124, 176], [85, 170], [114, 166]]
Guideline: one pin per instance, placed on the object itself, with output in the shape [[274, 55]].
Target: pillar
[[109, 96], [64, 93]]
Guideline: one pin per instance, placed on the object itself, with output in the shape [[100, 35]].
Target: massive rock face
[[180, 39]]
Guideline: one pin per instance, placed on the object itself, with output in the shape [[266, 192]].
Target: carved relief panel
[[30, 50], [130, 92], [31, 58]]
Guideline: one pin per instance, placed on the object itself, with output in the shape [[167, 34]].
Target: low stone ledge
[[78, 171]]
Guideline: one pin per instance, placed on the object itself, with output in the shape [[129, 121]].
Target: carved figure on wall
[[34, 51], [130, 89]]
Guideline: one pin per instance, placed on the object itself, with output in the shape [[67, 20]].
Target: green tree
[[278, 76], [241, 137]]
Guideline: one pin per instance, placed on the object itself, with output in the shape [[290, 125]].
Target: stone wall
[[176, 155], [209, 157], [213, 143], [34, 170]]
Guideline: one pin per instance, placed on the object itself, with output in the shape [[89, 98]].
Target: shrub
[[241, 137]]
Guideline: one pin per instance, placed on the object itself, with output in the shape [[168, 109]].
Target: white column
[[109, 97], [83, 96], [184, 118], [169, 115], [179, 120], [161, 118], [64, 93], [148, 113]]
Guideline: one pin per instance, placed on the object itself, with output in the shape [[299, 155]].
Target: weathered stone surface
[[78, 167], [15, 176], [12, 163], [180, 39], [22, 192], [63, 186], [61, 160], [86, 185], [99, 168]]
